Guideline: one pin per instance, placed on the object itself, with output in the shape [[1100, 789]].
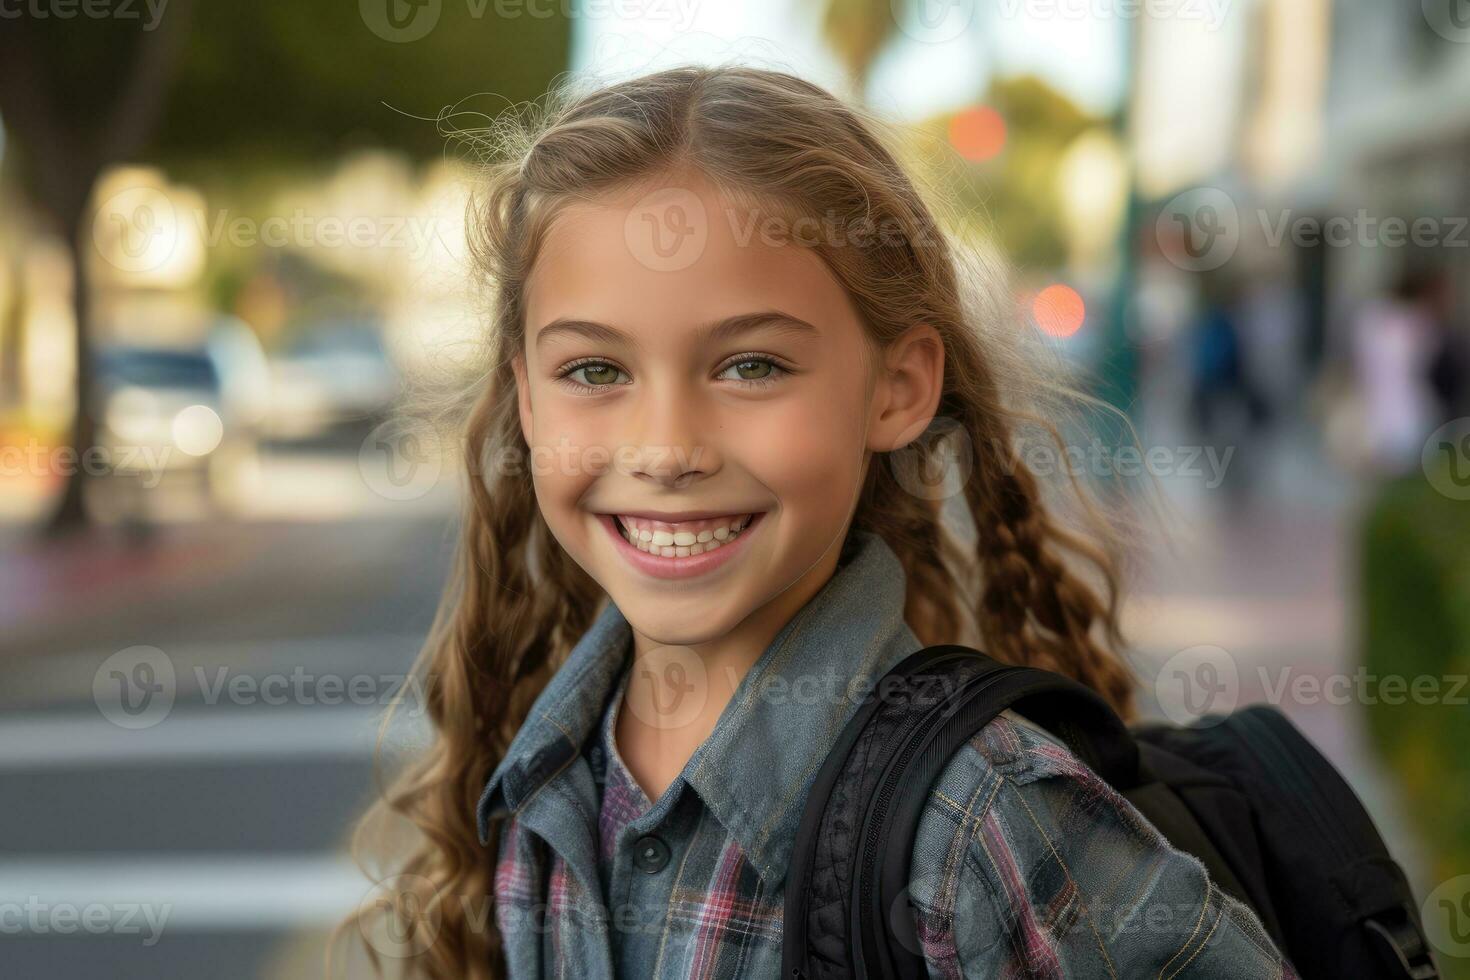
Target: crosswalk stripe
[[82, 740]]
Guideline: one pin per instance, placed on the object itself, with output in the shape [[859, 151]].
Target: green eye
[[756, 371], [599, 374], [753, 370]]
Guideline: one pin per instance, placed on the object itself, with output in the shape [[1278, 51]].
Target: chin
[[664, 623]]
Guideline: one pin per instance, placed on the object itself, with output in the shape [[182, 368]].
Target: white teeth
[[683, 544]]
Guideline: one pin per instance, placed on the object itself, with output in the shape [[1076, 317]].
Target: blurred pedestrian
[[1226, 402], [1394, 344]]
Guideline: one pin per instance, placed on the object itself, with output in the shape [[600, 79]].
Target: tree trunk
[[70, 514], [12, 339], [66, 159]]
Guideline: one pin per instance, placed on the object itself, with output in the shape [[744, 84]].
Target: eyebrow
[[725, 329]]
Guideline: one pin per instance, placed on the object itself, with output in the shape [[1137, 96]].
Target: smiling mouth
[[681, 539]]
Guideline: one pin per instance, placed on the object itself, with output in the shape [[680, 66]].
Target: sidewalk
[[99, 569], [1273, 583], [103, 569]]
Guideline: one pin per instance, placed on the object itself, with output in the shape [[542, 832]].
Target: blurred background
[[231, 239]]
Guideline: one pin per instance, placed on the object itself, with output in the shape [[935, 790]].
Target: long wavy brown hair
[[1009, 564]]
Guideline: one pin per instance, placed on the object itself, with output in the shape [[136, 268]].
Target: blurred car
[[181, 414], [160, 409], [330, 375]]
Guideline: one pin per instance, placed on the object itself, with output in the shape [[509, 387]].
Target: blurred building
[[1398, 134], [1306, 112]]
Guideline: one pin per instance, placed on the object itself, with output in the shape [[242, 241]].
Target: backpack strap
[[845, 911], [846, 881]]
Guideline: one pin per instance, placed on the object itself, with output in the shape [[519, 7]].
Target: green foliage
[[857, 30], [1015, 196], [1415, 581], [281, 82]]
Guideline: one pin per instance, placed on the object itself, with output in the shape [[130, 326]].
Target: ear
[[523, 396], [910, 383]]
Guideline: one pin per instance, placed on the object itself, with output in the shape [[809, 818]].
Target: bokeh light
[[978, 133], [1059, 310]]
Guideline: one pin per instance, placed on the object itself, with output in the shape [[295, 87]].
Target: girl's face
[[690, 378]]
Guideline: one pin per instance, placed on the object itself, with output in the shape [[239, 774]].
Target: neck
[[727, 659], [676, 694]]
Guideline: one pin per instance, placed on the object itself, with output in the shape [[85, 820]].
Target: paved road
[[209, 841], [225, 818]]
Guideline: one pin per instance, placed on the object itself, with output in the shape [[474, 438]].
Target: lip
[[675, 516], [693, 566]]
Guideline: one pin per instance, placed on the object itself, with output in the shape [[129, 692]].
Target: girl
[[727, 332]]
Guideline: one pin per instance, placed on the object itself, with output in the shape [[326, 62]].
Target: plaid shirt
[[1025, 862]]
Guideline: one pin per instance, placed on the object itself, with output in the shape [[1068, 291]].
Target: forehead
[[663, 261]]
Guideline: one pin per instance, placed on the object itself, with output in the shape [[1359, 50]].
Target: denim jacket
[[1025, 862]]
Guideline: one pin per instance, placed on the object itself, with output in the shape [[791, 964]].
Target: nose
[[671, 445]]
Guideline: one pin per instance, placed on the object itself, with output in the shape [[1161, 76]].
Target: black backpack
[[1272, 821]]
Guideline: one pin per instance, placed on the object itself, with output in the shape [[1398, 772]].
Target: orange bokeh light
[[978, 133], [1059, 310]]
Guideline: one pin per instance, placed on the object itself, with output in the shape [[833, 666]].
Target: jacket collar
[[786, 712]]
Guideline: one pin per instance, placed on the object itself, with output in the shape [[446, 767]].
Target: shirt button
[[650, 855]]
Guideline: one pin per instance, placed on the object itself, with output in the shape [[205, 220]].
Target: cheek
[[810, 454], [567, 448]]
